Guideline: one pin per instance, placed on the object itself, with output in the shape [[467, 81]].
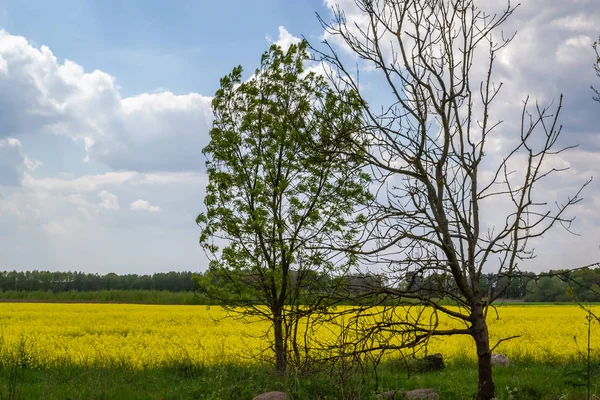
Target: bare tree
[[438, 183], [597, 68]]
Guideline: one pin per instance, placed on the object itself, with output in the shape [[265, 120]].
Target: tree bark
[[280, 359], [485, 390]]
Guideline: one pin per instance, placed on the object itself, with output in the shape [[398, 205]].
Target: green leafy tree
[[279, 186]]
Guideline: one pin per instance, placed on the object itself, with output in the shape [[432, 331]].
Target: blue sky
[[180, 45], [105, 109], [152, 46]]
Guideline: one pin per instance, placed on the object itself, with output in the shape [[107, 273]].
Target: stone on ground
[[417, 394], [390, 395], [421, 394], [273, 396], [500, 359]]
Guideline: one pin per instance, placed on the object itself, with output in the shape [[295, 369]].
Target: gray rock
[[273, 396], [500, 359], [421, 394], [417, 394], [389, 395]]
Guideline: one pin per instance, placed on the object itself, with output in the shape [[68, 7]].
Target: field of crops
[[145, 336]]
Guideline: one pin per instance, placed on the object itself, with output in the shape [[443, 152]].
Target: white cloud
[[551, 54], [108, 201], [356, 20], [569, 50], [153, 143], [12, 162], [92, 183], [31, 165], [143, 205], [65, 228], [77, 199], [576, 22], [189, 178], [285, 39], [54, 229], [160, 131], [88, 183]]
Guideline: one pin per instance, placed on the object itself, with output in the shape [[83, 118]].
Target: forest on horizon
[[551, 286]]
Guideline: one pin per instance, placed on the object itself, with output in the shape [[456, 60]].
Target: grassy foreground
[[166, 297], [226, 382]]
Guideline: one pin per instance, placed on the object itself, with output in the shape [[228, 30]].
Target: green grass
[[109, 296], [166, 297], [185, 381]]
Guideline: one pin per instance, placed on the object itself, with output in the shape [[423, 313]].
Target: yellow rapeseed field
[[143, 336]]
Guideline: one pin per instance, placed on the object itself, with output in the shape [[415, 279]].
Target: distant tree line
[[85, 282], [564, 285], [443, 286], [552, 286]]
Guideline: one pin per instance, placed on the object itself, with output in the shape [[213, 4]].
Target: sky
[[106, 107]]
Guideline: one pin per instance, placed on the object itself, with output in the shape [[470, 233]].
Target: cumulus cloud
[[550, 55], [108, 201], [79, 202], [85, 183], [92, 183], [143, 205], [61, 224], [285, 39], [159, 131], [152, 142]]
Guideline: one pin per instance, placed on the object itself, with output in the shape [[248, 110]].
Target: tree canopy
[[279, 185]]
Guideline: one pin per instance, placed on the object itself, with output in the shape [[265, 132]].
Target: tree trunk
[[481, 336], [280, 359]]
